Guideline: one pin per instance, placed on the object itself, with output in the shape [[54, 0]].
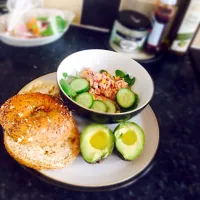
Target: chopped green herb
[[126, 77], [119, 73], [129, 80], [102, 70]]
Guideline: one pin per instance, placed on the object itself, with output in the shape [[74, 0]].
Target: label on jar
[[188, 28], [126, 39], [156, 33]]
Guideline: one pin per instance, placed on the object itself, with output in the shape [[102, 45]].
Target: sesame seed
[[43, 130], [11, 107], [48, 119], [19, 140], [30, 139], [20, 114]]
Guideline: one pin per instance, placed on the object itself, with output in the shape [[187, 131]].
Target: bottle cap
[[169, 2]]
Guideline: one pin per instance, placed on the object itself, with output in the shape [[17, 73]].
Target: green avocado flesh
[[96, 143], [129, 140]]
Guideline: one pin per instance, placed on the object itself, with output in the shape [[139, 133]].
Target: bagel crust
[[39, 131]]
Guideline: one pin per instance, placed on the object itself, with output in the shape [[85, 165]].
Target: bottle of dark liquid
[[181, 11], [185, 33], [163, 14]]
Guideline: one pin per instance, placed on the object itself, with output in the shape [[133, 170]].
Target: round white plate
[[113, 172]]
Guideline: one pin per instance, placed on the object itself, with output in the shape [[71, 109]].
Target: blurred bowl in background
[[7, 38]]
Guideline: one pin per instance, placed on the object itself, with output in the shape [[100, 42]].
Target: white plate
[[112, 172]]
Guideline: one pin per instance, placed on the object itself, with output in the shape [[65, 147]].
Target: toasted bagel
[[39, 131]]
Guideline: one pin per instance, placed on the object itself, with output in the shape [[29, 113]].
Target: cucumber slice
[[125, 97], [111, 108], [79, 85], [99, 106], [85, 99]]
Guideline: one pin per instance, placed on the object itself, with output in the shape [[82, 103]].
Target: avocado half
[[129, 140], [96, 143]]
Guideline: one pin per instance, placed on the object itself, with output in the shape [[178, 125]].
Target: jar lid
[[169, 2], [134, 20]]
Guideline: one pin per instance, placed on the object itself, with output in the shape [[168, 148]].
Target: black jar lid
[[134, 20]]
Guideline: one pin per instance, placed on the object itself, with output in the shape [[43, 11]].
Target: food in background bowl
[[39, 131], [35, 27], [101, 91], [40, 27]]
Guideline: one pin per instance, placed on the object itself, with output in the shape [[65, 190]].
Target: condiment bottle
[[163, 14], [187, 29]]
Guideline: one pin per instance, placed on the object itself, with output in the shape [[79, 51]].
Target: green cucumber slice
[[99, 106], [125, 97], [84, 99], [111, 108], [79, 85]]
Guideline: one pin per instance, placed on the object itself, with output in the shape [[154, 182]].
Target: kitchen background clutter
[[137, 28], [3, 8], [163, 13], [111, 16]]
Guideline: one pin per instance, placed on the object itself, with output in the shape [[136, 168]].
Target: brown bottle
[[163, 14]]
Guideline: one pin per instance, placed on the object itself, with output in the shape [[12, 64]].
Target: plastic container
[[130, 31]]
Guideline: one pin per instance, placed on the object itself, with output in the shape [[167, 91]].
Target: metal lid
[[169, 2], [134, 20]]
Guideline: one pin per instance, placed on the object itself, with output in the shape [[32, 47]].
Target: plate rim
[[110, 187]]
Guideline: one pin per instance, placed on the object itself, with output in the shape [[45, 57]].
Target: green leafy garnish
[[126, 77], [102, 70], [119, 73], [129, 80], [66, 87], [60, 23], [48, 31]]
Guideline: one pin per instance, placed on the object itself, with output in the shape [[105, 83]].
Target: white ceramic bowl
[[109, 61], [31, 42]]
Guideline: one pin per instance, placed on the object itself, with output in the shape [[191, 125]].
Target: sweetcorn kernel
[[117, 78], [103, 81]]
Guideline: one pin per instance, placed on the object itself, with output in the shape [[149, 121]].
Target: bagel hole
[[40, 111]]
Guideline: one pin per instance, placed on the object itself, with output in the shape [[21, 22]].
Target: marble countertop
[[176, 103]]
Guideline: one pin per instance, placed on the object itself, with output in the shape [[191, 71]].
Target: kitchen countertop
[[176, 103]]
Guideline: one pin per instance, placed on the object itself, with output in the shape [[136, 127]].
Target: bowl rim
[[104, 113]]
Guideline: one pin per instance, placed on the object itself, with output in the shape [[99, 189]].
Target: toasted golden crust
[[40, 132], [36, 117]]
